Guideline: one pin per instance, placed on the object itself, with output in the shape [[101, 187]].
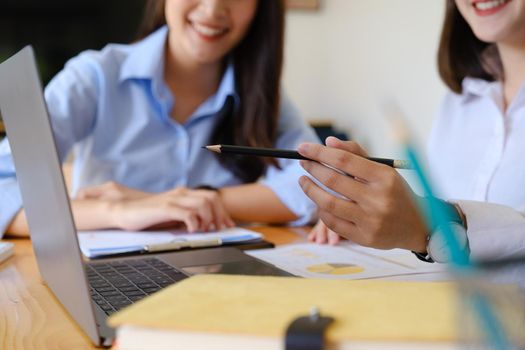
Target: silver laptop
[[88, 290]]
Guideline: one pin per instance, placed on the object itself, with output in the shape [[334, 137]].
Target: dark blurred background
[[60, 29]]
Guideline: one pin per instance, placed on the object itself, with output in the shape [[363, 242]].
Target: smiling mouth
[[489, 7], [208, 31]]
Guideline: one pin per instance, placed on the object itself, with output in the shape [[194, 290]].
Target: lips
[[489, 7], [208, 32]]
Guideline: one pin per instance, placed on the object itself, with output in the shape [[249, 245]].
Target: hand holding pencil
[[376, 208]]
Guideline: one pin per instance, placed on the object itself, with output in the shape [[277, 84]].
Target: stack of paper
[[95, 244]]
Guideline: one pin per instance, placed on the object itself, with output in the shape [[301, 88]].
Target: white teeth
[[488, 5], [207, 31]]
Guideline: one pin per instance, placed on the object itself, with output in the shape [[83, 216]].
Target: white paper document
[[349, 261], [109, 242]]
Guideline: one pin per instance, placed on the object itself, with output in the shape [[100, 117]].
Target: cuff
[[287, 189], [494, 231], [10, 203]]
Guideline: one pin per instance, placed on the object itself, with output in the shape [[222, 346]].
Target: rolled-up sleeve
[[293, 130], [494, 231]]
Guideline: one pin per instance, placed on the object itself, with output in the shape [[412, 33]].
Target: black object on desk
[[262, 244], [307, 332]]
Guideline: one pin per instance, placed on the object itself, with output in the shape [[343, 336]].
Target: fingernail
[[332, 141], [303, 148], [302, 180]]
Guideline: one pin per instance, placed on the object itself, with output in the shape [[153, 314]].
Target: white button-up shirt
[[477, 158]]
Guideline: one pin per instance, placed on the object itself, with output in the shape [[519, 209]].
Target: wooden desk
[[31, 317]]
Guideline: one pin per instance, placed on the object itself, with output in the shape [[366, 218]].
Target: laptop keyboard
[[115, 285]]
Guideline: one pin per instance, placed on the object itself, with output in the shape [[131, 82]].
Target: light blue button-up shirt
[[112, 108]]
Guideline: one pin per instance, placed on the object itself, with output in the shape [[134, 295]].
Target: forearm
[[255, 203], [93, 214], [88, 215]]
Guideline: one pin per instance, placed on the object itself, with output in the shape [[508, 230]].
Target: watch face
[[437, 246]]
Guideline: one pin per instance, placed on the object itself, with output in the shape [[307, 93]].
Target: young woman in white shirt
[[476, 150]]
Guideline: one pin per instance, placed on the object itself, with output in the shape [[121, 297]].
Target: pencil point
[[214, 148]]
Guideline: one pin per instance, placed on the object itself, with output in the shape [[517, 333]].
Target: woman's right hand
[[321, 234], [111, 191], [198, 210]]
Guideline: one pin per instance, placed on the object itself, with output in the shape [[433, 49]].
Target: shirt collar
[[214, 103], [479, 88], [146, 61], [475, 87], [146, 58]]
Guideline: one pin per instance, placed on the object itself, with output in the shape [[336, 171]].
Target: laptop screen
[[41, 183]]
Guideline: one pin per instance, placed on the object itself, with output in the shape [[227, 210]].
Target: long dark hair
[[258, 60], [461, 54]]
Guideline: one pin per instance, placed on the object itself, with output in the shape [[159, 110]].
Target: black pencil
[[291, 154]]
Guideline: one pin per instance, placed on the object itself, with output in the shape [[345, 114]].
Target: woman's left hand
[[378, 208]]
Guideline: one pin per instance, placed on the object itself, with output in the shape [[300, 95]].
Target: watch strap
[[424, 256], [206, 187]]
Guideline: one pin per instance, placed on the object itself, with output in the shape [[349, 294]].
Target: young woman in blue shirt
[[136, 116]]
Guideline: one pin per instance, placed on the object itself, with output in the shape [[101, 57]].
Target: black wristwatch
[[206, 187]]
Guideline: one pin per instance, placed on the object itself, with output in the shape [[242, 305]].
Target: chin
[[207, 56], [490, 35], [488, 38], [207, 59]]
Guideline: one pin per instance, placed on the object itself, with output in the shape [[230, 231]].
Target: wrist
[[419, 237], [114, 212], [421, 242], [437, 248]]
